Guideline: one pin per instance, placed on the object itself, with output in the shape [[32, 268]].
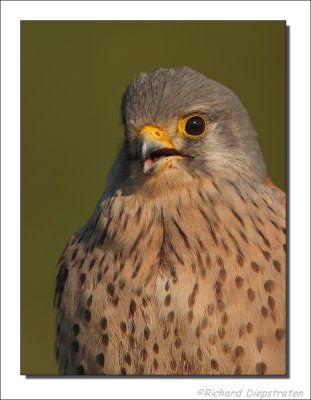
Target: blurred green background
[[72, 77]]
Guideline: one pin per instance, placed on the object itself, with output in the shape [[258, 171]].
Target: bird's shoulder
[[279, 194]]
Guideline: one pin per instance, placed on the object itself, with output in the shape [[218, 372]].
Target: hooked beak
[[155, 150]]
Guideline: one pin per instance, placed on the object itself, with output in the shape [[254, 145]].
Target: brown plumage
[[181, 268]]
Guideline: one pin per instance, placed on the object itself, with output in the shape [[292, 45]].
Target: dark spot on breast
[[255, 267], [137, 241], [204, 323], [123, 371], [110, 289], [115, 300], [155, 363], [221, 332], [75, 346], [255, 204], [249, 327], [217, 288], [99, 276], [166, 332], [146, 333], [265, 240], [100, 359], [74, 254], [182, 234], [199, 354], [123, 326], [76, 329], [243, 236], [132, 307], [136, 270], [220, 261], [212, 339], [173, 364], [224, 244], [144, 354], [237, 216], [240, 259], [170, 316], [191, 300], [144, 302], [264, 312], [92, 263], [132, 341], [241, 331], [128, 359], [89, 301], [177, 343], [271, 302], [261, 368], [239, 281], [115, 276], [167, 300], [220, 305], [225, 348], [269, 286], [210, 309], [259, 343], [81, 262], [223, 275], [190, 316], [87, 315], [214, 365], [121, 284], [156, 348], [224, 319], [105, 339], [82, 279], [274, 224], [208, 260], [138, 214], [279, 334], [238, 351], [251, 295], [103, 323], [266, 254], [277, 265]]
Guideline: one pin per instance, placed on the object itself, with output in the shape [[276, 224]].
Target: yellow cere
[[157, 134], [182, 126]]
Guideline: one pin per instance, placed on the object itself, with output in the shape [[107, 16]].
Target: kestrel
[[181, 267]]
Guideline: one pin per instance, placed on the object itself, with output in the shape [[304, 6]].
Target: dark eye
[[195, 126]]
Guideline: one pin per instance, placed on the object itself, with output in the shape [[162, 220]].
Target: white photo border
[[297, 16]]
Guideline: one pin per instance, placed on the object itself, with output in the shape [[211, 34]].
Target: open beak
[[155, 150]]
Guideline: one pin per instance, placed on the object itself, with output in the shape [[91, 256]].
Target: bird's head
[[179, 123]]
